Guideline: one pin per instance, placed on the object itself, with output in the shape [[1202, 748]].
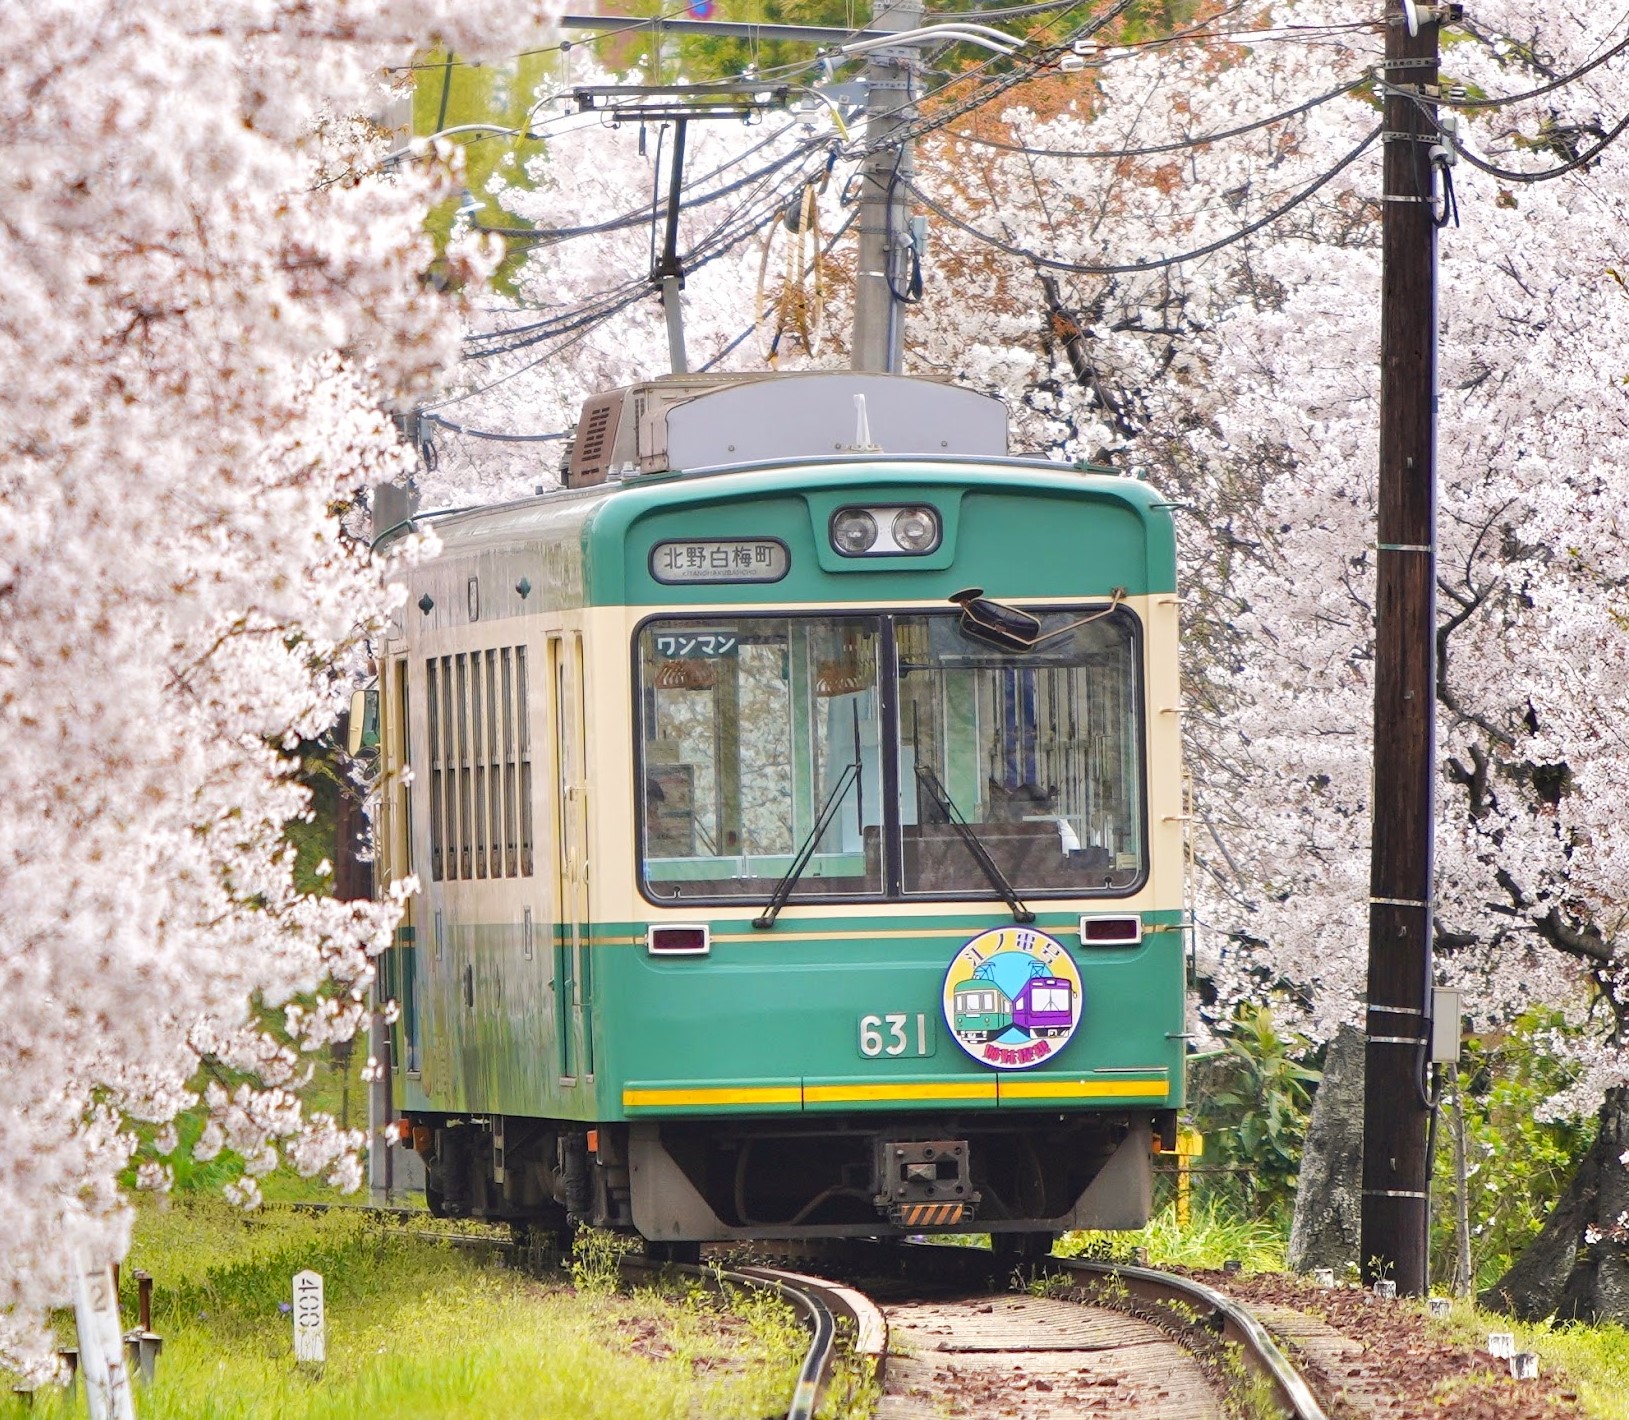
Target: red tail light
[[1111, 931], [677, 940]]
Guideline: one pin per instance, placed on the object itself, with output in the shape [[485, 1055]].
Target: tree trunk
[[1329, 1193], [1562, 1272]]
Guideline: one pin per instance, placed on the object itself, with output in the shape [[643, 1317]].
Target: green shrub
[[1250, 1100], [1517, 1166]]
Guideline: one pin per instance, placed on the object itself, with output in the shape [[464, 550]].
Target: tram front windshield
[[770, 740]]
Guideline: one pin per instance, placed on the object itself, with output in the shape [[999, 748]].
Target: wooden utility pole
[[1396, 1111]]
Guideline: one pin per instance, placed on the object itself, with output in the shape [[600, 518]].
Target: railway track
[[946, 1335], [1090, 1339], [949, 1337]]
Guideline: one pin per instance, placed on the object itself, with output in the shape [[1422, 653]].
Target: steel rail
[[1225, 1316], [819, 1303]]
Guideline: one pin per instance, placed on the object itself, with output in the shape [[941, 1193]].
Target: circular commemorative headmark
[[1013, 997]]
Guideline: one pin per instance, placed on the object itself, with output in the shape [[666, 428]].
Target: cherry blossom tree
[[213, 292]]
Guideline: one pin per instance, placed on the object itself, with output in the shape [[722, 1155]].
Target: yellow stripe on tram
[[1084, 1089], [745, 1094], [944, 1090]]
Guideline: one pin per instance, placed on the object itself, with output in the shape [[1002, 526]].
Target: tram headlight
[[888, 530], [853, 532], [916, 529]]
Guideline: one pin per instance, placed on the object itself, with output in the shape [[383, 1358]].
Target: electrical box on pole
[[1396, 1109]]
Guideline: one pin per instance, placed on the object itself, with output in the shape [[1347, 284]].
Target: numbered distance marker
[[310, 1338]]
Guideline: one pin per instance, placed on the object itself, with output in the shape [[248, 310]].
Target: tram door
[[573, 980]]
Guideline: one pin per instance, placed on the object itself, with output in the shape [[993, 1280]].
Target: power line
[[1010, 12], [1132, 267], [640, 215], [1514, 175], [448, 424], [1506, 100], [1176, 146], [723, 238]]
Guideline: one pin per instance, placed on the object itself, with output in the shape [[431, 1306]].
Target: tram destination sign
[[719, 559]]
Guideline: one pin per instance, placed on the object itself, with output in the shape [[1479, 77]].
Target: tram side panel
[[495, 1016]]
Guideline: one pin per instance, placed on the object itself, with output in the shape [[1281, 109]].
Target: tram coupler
[[923, 1183]]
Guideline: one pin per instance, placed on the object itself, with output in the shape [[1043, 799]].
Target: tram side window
[[1040, 751], [752, 730], [480, 770]]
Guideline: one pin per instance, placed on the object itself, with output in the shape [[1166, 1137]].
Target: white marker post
[[310, 1342], [101, 1353]]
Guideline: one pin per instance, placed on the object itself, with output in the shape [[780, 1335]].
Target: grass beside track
[[1594, 1359], [417, 1328]]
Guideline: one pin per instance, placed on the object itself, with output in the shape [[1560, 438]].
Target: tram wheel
[[1022, 1249]]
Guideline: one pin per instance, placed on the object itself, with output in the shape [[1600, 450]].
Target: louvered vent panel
[[594, 446]]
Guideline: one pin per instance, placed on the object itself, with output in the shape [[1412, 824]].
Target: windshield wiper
[[783, 889], [981, 855]]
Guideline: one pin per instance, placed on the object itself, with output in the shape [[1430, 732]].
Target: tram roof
[[598, 523]]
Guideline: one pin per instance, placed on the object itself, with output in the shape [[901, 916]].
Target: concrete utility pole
[[884, 261], [1396, 1111], [666, 270], [879, 324]]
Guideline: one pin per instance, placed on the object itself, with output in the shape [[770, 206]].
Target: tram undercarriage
[[691, 1181]]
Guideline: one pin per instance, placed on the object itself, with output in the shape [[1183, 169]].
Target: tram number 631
[[897, 1033]]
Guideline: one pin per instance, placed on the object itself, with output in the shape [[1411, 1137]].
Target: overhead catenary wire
[[487, 343], [427, 411], [638, 216], [713, 245], [1505, 100], [1008, 12]]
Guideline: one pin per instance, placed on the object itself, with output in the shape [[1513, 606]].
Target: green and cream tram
[[731, 772]]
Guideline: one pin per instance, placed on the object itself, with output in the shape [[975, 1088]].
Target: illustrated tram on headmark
[[794, 799]]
